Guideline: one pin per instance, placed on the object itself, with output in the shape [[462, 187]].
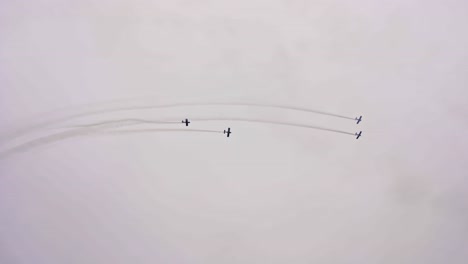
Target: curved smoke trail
[[19, 132], [87, 131], [251, 120]]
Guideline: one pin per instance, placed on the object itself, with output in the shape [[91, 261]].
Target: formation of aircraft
[[228, 132], [358, 119], [186, 121]]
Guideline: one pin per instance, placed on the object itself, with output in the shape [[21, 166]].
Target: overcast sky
[[126, 191]]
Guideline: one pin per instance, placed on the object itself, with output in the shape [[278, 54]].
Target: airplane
[[358, 134], [186, 122], [228, 132], [358, 119]]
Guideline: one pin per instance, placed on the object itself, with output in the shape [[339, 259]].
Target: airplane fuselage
[[358, 135], [228, 132], [358, 119], [186, 122]]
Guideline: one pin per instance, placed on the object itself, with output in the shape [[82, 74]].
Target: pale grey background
[[269, 194]]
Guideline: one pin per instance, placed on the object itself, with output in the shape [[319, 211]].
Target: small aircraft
[[358, 119], [228, 132], [186, 122], [358, 134]]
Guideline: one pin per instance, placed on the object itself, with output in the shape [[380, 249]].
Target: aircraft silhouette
[[358, 135], [186, 122], [228, 132], [358, 119]]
